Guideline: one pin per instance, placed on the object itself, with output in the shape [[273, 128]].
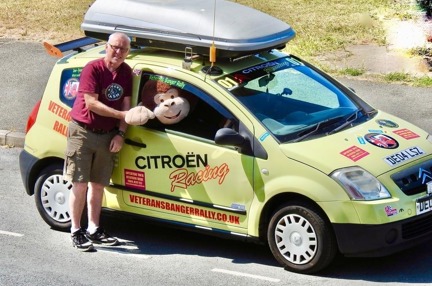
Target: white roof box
[[175, 24]]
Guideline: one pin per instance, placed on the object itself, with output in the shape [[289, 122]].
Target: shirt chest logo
[[114, 92]]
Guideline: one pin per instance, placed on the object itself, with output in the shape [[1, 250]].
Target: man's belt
[[93, 130]]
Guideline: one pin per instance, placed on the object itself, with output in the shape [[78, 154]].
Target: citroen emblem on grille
[[424, 175]]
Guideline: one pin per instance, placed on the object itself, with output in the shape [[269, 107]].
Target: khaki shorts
[[88, 158]]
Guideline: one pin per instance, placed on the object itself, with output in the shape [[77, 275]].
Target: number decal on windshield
[[227, 82]]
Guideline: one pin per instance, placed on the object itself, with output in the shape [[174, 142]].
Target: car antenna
[[213, 47], [212, 69]]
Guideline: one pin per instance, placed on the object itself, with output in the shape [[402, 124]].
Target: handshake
[[170, 109], [138, 115]]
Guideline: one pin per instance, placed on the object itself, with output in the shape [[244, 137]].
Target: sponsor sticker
[[134, 179], [376, 131], [406, 134], [361, 140], [264, 136], [354, 153], [381, 140], [402, 156], [387, 123], [70, 88], [390, 211]]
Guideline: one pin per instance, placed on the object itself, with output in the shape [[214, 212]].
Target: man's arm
[[94, 105], [125, 107]]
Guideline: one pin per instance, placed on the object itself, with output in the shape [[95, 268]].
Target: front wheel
[[301, 239], [52, 197]]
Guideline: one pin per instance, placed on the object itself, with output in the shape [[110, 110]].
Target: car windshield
[[293, 101]]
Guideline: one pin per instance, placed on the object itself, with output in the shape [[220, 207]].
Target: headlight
[[360, 184]]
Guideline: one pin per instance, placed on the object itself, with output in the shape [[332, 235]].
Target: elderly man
[[96, 133]]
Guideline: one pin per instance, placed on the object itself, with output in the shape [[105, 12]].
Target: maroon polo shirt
[[112, 87]]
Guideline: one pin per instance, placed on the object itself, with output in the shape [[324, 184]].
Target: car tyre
[[52, 197], [301, 239]]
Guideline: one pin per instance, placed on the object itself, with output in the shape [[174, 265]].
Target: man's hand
[[116, 143]]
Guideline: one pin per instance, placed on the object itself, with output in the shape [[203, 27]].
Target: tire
[[52, 197], [300, 239]]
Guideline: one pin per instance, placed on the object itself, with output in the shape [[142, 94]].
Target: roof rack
[[235, 30]]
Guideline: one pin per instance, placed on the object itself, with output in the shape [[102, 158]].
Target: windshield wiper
[[317, 127], [353, 117]]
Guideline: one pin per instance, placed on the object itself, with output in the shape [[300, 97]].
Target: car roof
[[172, 59], [234, 29]]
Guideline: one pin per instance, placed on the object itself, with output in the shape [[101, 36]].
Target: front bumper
[[358, 240]]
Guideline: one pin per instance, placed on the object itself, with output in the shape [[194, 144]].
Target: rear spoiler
[[75, 45]]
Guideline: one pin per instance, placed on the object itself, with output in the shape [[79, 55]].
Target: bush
[[427, 5]]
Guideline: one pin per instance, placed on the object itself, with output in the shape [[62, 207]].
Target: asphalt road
[[33, 254], [25, 68]]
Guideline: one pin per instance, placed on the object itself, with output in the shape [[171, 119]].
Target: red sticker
[[406, 134], [381, 140], [354, 153], [134, 179]]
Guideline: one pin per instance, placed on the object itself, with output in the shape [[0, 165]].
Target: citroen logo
[[424, 175]]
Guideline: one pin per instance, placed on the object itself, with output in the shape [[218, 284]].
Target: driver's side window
[[182, 107]]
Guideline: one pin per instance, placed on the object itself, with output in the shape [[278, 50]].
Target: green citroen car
[[270, 149]]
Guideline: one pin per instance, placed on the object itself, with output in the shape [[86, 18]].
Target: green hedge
[[427, 5]]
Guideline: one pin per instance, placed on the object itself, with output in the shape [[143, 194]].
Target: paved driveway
[[25, 68]]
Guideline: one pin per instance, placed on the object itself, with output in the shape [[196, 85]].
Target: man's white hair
[[121, 35]]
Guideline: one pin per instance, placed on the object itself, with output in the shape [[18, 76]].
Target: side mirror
[[265, 80], [227, 136]]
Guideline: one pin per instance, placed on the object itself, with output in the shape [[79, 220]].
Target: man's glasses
[[118, 49]]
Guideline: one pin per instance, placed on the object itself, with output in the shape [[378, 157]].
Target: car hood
[[378, 145]]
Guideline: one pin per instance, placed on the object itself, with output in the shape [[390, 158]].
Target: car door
[[176, 172]]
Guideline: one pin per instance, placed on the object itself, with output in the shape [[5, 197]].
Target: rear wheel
[[301, 239], [52, 197]]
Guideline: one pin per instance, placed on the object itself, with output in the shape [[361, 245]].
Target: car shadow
[[410, 266], [148, 238], [152, 238]]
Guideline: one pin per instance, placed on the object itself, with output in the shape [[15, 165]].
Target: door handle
[[134, 143]]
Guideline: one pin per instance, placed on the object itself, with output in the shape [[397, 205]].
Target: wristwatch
[[121, 133]]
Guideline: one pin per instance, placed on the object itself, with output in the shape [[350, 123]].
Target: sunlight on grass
[[324, 26], [397, 77], [352, 71], [56, 21], [423, 81], [321, 27]]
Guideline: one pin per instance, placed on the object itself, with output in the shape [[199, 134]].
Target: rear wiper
[[353, 117], [317, 127]]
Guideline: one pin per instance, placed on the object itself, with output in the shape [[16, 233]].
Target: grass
[[328, 26], [43, 20], [397, 77], [405, 78], [325, 26], [321, 26], [352, 71]]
